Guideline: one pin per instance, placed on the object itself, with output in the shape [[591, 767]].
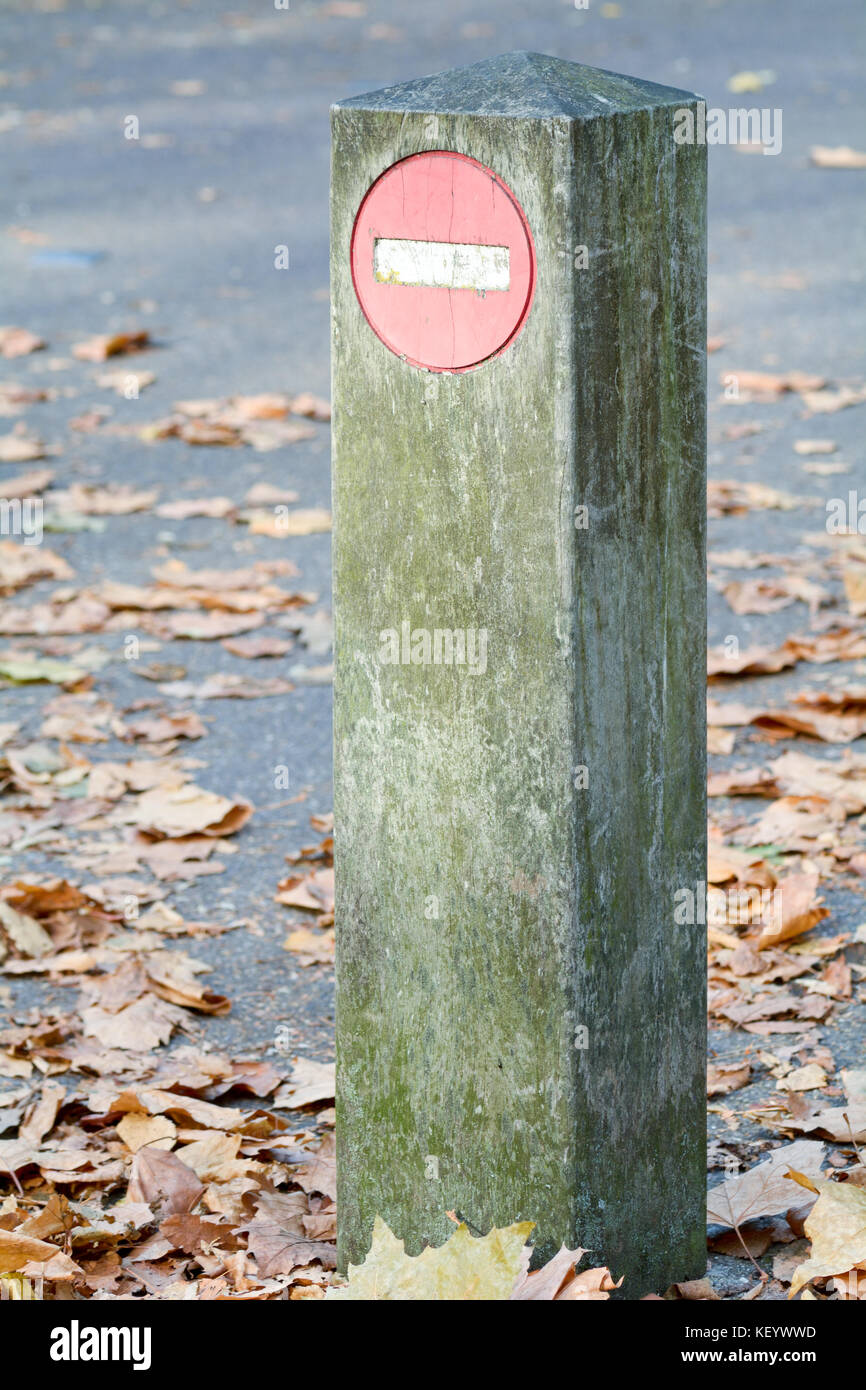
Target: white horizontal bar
[[447, 265]]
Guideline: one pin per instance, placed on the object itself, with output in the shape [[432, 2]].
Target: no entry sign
[[443, 262]]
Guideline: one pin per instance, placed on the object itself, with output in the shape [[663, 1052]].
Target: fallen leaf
[[722, 1078], [753, 660], [41, 1119], [269, 495], [147, 1023], [154, 1131], [282, 522], [767, 385], [764, 1190], [161, 1180], [836, 1227], [20, 447], [543, 1285], [112, 499], [16, 1251], [811, 1077], [310, 1083], [313, 893], [185, 810], [320, 1174], [695, 1290], [27, 484], [841, 1123], [196, 506], [466, 1268], [224, 685], [126, 382], [255, 647], [751, 81], [19, 342], [828, 402], [837, 157], [25, 933], [815, 446], [100, 348]]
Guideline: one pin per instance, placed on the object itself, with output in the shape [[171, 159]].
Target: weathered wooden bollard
[[518, 289]]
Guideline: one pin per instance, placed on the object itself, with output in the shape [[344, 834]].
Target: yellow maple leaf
[[836, 1226], [466, 1268]]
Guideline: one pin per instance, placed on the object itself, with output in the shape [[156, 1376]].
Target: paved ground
[[185, 221]]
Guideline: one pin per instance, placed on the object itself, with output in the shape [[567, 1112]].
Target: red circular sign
[[443, 262]]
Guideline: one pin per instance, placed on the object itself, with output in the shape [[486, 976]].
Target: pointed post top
[[522, 84]]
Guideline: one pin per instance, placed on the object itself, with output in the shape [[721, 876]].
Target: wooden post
[[519, 490]]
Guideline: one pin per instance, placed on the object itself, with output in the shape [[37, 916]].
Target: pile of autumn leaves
[[202, 1176], [162, 1189], [771, 975], [130, 1172]]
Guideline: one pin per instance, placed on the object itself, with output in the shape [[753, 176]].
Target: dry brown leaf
[[161, 1180], [735, 497], [312, 948], [841, 1123], [771, 595], [255, 647], [322, 1225], [720, 741], [154, 1131], [160, 728], [811, 1077], [281, 522], [18, 342], [312, 893], [41, 1119], [837, 157], [815, 446], [178, 988], [50, 619], [17, 1251], [175, 811], [836, 1227], [320, 1174], [152, 1101], [593, 1285], [20, 447], [143, 1025], [544, 1285], [196, 506], [724, 1077], [27, 484], [108, 499], [103, 346], [313, 407], [855, 590], [764, 1190], [26, 935], [189, 1233], [227, 685], [310, 1083], [833, 717], [695, 1290], [121, 381], [768, 385], [753, 660], [203, 627], [269, 495], [828, 402], [214, 1157]]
